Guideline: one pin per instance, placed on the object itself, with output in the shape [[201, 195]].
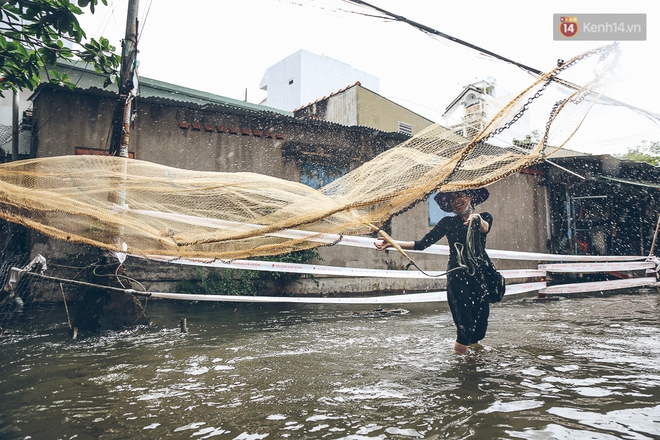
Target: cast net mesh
[[148, 209]]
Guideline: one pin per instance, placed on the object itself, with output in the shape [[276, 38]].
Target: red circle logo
[[568, 26]]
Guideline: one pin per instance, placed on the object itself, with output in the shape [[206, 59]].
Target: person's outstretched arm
[[382, 244]]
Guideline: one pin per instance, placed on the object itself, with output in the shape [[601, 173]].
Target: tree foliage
[[645, 152], [248, 282], [33, 36], [531, 140]]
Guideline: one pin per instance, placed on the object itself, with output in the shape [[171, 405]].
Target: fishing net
[[144, 208]]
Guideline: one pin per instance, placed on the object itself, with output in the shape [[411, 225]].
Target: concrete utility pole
[[107, 308], [121, 120], [15, 129]]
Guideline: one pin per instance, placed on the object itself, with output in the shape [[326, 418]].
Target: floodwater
[[580, 368]]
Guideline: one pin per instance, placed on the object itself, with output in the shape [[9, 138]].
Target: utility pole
[[105, 308], [15, 130], [121, 120]]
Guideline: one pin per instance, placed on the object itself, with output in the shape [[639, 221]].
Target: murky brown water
[[581, 368]]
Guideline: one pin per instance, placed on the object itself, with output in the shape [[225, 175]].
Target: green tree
[[530, 141], [644, 152], [248, 282], [33, 34]]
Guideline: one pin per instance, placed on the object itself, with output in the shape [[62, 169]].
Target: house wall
[[157, 137], [63, 120], [359, 106], [248, 141], [304, 77], [519, 205], [378, 112], [342, 108]]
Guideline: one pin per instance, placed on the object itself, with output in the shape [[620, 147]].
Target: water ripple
[[575, 369]]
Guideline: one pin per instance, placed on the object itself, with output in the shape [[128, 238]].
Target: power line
[[654, 117], [430, 30]]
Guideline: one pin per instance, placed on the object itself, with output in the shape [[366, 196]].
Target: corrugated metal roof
[[565, 152], [632, 182], [151, 88], [260, 111], [614, 169]]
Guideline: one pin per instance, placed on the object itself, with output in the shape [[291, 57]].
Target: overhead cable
[[654, 117]]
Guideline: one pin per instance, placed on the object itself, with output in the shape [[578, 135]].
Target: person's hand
[[467, 221], [483, 224], [382, 244]]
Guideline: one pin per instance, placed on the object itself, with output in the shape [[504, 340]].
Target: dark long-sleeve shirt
[[455, 231]]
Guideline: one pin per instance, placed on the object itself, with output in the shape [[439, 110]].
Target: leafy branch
[[34, 35], [645, 152], [247, 282]]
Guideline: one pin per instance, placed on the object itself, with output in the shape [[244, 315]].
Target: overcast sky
[[225, 46]]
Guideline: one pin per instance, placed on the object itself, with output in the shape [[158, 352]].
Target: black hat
[[479, 196]]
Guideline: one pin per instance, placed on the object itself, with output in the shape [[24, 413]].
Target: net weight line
[[428, 297], [440, 296]]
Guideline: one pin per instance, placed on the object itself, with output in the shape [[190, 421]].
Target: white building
[[304, 77], [476, 105]]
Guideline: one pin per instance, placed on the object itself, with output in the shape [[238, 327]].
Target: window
[[435, 213], [405, 128], [316, 175]]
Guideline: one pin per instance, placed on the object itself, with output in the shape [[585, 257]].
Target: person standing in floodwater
[[467, 299]]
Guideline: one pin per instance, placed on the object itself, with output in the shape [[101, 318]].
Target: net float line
[[440, 296], [366, 242], [315, 269]]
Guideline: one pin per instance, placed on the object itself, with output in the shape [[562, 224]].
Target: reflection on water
[[581, 368]]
